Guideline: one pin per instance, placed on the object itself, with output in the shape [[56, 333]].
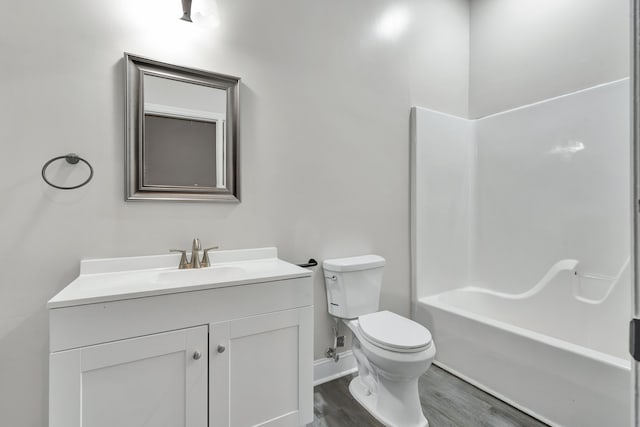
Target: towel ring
[[72, 159]]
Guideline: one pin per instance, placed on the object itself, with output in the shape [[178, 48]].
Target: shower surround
[[520, 251]]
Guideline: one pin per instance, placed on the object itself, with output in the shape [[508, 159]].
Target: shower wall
[[553, 183], [497, 201], [443, 159]]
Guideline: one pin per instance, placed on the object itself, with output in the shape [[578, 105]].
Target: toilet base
[[368, 401]]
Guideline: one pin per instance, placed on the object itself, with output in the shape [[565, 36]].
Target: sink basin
[[200, 276]]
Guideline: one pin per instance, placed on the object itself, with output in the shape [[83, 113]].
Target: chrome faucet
[[195, 262]]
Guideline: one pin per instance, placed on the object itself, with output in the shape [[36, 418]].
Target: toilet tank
[[353, 285]]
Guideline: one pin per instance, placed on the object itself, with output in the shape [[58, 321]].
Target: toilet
[[391, 351]]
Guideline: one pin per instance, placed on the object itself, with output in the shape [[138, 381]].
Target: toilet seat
[[392, 332]]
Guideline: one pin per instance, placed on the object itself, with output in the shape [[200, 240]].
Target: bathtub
[[557, 352]]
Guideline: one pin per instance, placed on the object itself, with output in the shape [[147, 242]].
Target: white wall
[[324, 131], [529, 50]]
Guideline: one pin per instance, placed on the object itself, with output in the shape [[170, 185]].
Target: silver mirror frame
[[136, 67]]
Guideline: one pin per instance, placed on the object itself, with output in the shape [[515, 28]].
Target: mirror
[[182, 133]]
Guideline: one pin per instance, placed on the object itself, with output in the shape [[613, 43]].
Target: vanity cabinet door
[[261, 370], [156, 380]]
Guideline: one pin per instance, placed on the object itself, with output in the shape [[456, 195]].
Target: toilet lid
[[389, 330]]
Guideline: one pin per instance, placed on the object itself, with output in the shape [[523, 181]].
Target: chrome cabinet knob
[[197, 355], [221, 349]]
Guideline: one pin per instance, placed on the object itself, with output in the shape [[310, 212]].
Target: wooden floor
[[447, 401]]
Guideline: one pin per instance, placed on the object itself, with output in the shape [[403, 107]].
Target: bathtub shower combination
[[520, 252]]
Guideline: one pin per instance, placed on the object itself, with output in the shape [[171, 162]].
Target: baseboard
[[325, 370]]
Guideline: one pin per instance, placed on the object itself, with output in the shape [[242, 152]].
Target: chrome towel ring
[[72, 159]]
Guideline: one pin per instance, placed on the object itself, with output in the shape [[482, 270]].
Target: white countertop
[[113, 279]]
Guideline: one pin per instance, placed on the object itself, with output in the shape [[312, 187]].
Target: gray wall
[[529, 50], [324, 145]]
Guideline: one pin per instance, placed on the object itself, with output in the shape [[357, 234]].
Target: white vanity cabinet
[[135, 343]]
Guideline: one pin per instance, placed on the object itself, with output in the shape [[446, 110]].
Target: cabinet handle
[[221, 349], [197, 355]]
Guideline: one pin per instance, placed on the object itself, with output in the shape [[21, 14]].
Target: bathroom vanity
[[136, 341]]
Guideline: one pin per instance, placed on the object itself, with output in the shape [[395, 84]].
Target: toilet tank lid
[[363, 262]]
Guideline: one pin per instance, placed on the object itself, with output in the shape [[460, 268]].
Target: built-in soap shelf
[[593, 288]]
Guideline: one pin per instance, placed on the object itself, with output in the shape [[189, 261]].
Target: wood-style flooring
[[447, 401]]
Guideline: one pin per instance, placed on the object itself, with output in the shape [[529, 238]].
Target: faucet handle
[[206, 262], [183, 259]]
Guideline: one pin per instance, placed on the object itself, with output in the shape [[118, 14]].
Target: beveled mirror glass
[[182, 133]]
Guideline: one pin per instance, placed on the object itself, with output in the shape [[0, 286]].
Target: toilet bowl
[[391, 351], [388, 372]]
